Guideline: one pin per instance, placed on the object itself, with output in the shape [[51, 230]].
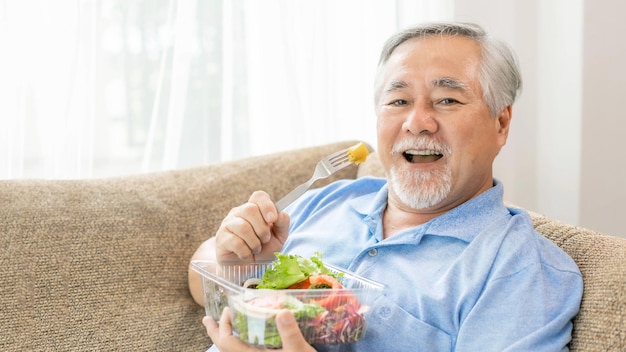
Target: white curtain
[[96, 88]]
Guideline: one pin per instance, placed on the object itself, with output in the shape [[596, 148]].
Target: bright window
[[99, 88]]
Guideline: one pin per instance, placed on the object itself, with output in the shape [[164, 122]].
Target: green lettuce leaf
[[289, 269]]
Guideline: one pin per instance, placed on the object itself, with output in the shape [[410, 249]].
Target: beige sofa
[[102, 264]]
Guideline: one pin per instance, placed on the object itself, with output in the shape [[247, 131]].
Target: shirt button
[[372, 252], [384, 312]]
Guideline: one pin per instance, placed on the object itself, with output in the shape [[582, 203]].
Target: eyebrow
[[396, 85], [450, 83], [442, 82]]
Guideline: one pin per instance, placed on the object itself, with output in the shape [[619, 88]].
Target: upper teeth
[[422, 152]]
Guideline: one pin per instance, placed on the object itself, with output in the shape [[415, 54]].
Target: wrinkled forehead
[[441, 61]]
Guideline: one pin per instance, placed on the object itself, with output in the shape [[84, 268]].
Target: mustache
[[421, 143]]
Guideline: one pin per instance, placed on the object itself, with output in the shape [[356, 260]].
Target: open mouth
[[422, 156]]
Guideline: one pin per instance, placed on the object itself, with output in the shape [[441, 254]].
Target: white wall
[[603, 191], [564, 157]]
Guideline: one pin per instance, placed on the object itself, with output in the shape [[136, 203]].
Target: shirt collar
[[464, 222]]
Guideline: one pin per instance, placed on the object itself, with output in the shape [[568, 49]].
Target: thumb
[[280, 228], [290, 332]]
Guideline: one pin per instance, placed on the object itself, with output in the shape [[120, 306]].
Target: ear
[[503, 122]]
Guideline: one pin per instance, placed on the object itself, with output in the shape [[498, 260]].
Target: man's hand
[[223, 338], [222, 334], [252, 231], [290, 333]]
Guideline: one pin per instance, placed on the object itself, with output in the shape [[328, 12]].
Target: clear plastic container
[[325, 316]]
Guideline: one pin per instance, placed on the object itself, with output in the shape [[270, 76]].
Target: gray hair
[[499, 74]]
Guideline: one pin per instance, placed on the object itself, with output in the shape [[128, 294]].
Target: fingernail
[[207, 320]]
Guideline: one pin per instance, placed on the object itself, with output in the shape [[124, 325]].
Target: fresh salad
[[326, 312]]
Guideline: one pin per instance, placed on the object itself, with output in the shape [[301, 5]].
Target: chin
[[420, 190]]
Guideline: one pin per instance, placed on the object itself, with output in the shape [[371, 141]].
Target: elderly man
[[463, 272]]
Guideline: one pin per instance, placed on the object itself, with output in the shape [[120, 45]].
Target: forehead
[[434, 57]]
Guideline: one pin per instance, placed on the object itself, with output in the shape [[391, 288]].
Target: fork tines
[[339, 157]]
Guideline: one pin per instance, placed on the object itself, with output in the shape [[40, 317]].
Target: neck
[[396, 219]]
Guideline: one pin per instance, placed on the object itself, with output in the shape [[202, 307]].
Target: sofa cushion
[[101, 264]]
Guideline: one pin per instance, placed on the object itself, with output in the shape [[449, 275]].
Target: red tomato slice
[[304, 284], [332, 300]]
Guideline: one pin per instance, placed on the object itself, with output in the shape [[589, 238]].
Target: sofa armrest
[[601, 323]]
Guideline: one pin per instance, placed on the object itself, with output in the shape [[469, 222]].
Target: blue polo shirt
[[478, 278]]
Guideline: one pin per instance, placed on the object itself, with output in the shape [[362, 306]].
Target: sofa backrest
[[102, 264]]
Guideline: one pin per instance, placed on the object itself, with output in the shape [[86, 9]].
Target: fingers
[[280, 228], [246, 228], [225, 328], [265, 205], [290, 333], [278, 222], [212, 329], [216, 331], [252, 231], [222, 335]]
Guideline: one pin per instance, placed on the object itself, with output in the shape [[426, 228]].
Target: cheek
[[383, 129], [479, 147], [468, 140], [386, 135], [388, 123]]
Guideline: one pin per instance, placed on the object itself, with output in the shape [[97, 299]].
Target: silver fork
[[324, 168]]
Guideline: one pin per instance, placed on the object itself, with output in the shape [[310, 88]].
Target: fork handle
[[293, 195]]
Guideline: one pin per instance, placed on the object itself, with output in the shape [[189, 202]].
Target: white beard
[[421, 189]]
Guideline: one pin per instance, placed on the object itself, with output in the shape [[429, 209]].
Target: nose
[[421, 119]]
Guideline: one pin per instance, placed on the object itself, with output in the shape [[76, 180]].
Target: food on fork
[[358, 153]]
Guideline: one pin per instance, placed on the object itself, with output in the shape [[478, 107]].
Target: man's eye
[[448, 101], [398, 102]]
